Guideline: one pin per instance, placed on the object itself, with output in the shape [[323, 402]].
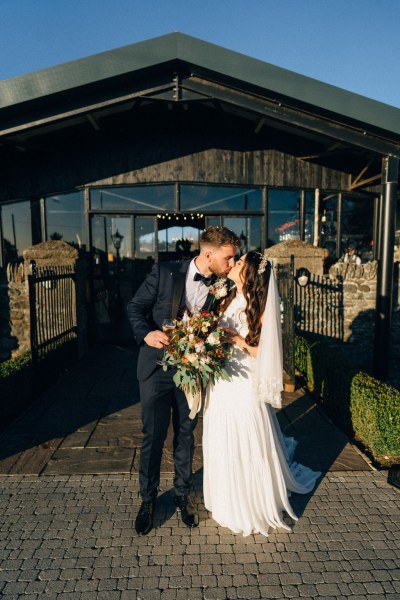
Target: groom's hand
[[156, 339]]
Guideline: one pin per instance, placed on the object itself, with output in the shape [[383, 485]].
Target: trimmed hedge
[[364, 407]]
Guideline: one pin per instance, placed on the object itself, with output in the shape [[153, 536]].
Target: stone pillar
[[14, 312], [305, 255], [55, 253], [14, 296]]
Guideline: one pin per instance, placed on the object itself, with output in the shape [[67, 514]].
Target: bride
[[248, 468]]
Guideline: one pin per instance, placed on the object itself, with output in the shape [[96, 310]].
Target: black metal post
[[390, 173], [376, 227], [339, 226], [2, 257], [302, 209], [380, 225], [32, 310]]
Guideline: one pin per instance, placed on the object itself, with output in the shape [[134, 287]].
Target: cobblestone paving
[[72, 537]]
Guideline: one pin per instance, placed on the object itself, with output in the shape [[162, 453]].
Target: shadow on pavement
[[89, 423]]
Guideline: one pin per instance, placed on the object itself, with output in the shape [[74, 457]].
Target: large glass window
[[174, 237], [283, 216], [357, 222], [17, 235], [210, 198], [328, 223], [248, 229], [309, 217], [65, 218], [138, 198]]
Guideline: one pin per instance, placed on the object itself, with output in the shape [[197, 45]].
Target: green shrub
[[358, 403], [375, 412], [15, 365]]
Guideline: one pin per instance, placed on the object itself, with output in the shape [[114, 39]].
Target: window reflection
[[17, 234], [145, 243], [309, 217], [328, 223], [283, 216], [214, 198], [357, 224], [65, 218], [138, 198], [248, 229]]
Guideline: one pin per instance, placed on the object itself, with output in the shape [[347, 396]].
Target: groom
[[169, 287]]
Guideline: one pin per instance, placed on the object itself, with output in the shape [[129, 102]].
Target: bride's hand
[[229, 335], [232, 337]]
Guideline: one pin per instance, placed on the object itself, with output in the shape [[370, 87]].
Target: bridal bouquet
[[197, 350]]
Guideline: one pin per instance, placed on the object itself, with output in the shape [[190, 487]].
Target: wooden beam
[[364, 170], [82, 111], [364, 182], [297, 118]]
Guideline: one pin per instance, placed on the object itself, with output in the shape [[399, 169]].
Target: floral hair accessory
[[263, 264]]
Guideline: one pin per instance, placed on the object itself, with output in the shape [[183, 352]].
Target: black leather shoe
[[188, 511], [144, 519]]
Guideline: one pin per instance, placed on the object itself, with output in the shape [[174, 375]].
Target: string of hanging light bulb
[[178, 217]]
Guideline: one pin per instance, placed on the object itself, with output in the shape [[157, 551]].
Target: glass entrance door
[[249, 230]]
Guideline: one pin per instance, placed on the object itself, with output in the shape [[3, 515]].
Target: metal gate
[[52, 304], [285, 280]]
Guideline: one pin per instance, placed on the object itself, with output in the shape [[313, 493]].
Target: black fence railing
[[319, 307], [52, 300], [285, 281]]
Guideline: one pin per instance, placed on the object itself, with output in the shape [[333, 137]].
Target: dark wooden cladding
[[267, 167], [173, 151]]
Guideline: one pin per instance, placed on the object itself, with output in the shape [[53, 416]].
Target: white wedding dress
[[248, 468]]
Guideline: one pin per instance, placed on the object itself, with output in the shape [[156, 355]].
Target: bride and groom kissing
[[248, 468]]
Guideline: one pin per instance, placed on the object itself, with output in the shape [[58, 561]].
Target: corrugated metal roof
[[209, 57]]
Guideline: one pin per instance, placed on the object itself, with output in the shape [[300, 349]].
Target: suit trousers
[[159, 397]]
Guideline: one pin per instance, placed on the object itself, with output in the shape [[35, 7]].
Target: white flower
[[192, 358], [220, 288], [199, 347], [213, 339]]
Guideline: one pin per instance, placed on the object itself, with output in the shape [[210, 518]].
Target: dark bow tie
[[206, 280]]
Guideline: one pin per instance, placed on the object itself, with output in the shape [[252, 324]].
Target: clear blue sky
[[353, 44]]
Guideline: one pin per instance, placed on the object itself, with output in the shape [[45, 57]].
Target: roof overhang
[[179, 69]]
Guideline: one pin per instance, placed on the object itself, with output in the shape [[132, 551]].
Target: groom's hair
[[218, 236]]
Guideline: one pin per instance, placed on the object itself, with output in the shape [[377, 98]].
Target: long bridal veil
[[268, 365]]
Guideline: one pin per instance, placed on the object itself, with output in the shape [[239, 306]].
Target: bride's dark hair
[[255, 290]]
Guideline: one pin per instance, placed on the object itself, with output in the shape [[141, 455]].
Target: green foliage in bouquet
[[197, 350]]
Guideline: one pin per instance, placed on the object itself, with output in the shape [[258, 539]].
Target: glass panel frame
[[134, 199], [16, 229], [65, 218], [283, 215], [217, 199]]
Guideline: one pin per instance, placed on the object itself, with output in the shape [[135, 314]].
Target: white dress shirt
[[196, 292]]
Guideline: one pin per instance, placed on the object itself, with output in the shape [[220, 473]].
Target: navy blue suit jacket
[[152, 303]]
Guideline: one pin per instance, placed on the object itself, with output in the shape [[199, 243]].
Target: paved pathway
[[69, 496]]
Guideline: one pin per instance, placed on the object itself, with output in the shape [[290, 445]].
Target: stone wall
[[14, 312], [340, 306], [359, 299], [14, 296]]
